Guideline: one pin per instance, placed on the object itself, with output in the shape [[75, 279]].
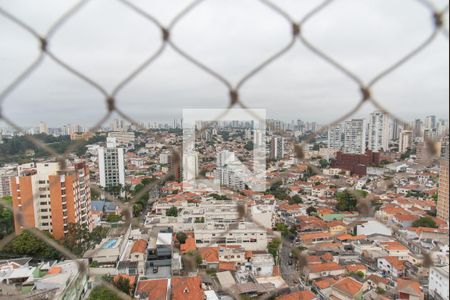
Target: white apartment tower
[[277, 148], [379, 132], [111, 164], [355, 136], [336, 137], [190, 166], [430, 122], [43, 128], [406, 140]]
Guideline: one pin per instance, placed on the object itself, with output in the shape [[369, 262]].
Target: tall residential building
[[430, 122], [405, 141], [277, 148], [190, 166], [43, 128], [336, 137], [111, 164], [355, 136], [5, 180], [418, 128], [394, 130], [379, 132], [442, 205], [50, 198]]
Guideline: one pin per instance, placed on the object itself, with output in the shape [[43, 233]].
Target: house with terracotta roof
[[301, 295], [409, 290], [210, 257], [374, 281], [316, 271], [189, 244], [152, 289], [405, 220], [347, 289], [391, 265], [395, 249], [315, 238], [356, 268], [138, 254], [187, 288], [336, 227]]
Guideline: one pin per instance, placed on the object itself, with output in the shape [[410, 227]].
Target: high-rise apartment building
[[43, 128], [5, 180], [277, 148], [111, 164], [190, 166], [379, 132], [336, 137], [442, 205], [430, 122], [50, 199], [355, 136], [405, 141], [418, 128], [394, 130]]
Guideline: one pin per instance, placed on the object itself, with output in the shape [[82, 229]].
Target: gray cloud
[[106, 41]]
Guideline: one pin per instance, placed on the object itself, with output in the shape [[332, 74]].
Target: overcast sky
[[106, 41]]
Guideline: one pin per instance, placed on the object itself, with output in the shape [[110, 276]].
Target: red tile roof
[[317, 268], [187, 288], [189, 245], [302, 295], [139, 246], [348, 286], [210, 255], [227, 266], [152, 289]]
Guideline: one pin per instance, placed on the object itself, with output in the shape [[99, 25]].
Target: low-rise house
[[404, 220], [152, 289], [301, 295], [138, 254], [377, 282], [210, 257], [187, 288], [262, 265], [315, 238], [395, 249], [316, 271], [391, 265], [347, 289], [409, 290], [336, 227]]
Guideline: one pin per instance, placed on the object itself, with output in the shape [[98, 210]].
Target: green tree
[[284, 229], [27, 244], [102, 293], [182, 237], [425, 222], [273, 247], [296, 200], [311, 210], [113, 218], [123, 285], [77, 239], [348, 201], [249, 146], [324, 163], [172, 212], [6, 218]]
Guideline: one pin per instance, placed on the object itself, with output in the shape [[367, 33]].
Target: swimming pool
[[110, 244]]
